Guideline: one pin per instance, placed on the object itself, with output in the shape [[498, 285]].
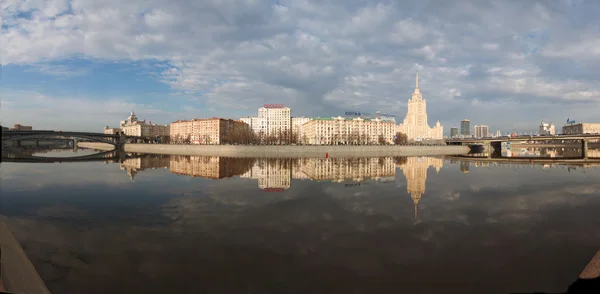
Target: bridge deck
[[526, 138]]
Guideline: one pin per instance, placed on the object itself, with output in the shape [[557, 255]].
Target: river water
[[190, 224]]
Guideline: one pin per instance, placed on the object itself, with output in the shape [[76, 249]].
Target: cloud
[[322, 58], [81, 113]]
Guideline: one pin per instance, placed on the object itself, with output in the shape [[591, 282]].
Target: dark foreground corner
[[588, 281]]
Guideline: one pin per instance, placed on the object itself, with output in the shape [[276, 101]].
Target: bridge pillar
[[584, 149], [37, 143], [121, 142], [18, 143]]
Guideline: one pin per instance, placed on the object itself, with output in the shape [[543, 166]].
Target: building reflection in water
[[276, 174], [209, 167], [135, 165], [355, 169], [273, 175], [415, 172]]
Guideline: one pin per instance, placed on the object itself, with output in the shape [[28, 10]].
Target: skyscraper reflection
[[415, 172]]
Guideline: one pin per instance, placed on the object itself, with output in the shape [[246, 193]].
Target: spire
[[416, 211], [417, 85]]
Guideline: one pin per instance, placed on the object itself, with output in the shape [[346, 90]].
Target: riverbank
[[97, 146], [295, 151]]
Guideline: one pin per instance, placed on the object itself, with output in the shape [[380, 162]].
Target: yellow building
[[415, 124], [209, 131], [343, 131]]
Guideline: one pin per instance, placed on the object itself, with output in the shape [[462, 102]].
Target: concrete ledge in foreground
[[592, 270], [295, 151], [17, 274]]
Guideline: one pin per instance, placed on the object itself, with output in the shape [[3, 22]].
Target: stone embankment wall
[[295, 151], [95, 145]]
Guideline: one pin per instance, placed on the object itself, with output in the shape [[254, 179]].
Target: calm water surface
[[182, 224]]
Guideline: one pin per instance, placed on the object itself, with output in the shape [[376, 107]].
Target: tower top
[[417, 84], [417, 93]]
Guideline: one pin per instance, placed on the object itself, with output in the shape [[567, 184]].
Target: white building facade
[[547, 129], [415, 124], [272, 119], [297, 123], [481, 131]]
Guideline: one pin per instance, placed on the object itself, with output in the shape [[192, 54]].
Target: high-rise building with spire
[[415, 124]]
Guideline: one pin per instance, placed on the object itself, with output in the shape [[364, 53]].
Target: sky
[[84, 64]]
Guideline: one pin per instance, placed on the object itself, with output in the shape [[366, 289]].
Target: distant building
[[134, 127], [297, 123], [112, 131], [453, 132], [415, 124], [272, 119], [341, 131], [209, 131], [18, 127], [481, 131], [385, 117], [581, 128], [547, 129], [465, 127]]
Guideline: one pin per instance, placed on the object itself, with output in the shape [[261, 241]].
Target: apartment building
[[297, 123], [272, 119], [344, 131], [209, 131]]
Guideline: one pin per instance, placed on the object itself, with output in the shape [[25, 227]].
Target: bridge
[[18, 136], [490, 144]]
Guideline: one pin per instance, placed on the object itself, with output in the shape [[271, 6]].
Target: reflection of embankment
[[209, 167]]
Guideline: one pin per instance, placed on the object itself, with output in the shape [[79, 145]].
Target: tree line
[[245, 136]]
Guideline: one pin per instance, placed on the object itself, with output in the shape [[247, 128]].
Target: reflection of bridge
[[496, 143], [530, 160], [114, 156]]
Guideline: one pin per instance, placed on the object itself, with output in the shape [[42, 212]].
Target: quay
[[286, 151]]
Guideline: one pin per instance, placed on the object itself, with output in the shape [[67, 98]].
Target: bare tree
[[381, 140], [400, 138], [363, 139]]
